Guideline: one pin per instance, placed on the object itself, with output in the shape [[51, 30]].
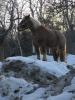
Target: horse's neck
[[35, 23]]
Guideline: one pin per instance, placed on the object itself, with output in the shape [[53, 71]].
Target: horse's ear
[[28, 16]]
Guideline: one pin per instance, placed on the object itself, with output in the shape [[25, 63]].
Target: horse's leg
[[37, 51], [62, 52], [62, 55], [55, 54], [43, 51]]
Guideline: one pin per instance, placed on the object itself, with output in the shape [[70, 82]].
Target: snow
[[17, 83], [0, 65], [73, 81], [55, 68], [70, 87], [12, 84], [70, 59], [25, 90], [13, 81], [20, 58], [63, 96], [9, 85], [36, 95], [2, 98]]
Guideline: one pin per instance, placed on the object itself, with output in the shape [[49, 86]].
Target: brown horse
[[44, 38]]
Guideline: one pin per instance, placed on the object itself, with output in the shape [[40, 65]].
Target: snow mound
[[12, 88], [18, 89], [20, 58], [54, 68], [57, 69]]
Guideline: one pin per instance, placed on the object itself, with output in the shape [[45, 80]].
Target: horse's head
[[25, 23], [28, 22]]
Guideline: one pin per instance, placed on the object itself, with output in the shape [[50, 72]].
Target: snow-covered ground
[[12, 88], [53, 67]]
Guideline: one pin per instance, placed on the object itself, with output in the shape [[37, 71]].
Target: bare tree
[[4, 30]]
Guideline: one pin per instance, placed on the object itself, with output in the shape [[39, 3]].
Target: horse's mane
[[35, 22]]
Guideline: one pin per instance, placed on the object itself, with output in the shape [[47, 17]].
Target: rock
[[30, 72]]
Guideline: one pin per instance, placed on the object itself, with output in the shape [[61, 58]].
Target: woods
[[54, 14]]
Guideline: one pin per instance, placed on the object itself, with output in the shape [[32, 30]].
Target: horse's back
[[49, 37], [46, 34]]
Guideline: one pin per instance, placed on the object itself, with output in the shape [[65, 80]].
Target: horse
[[44, 38]]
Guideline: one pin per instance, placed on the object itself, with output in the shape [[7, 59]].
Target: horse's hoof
[[38, 58], [44, 59]]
